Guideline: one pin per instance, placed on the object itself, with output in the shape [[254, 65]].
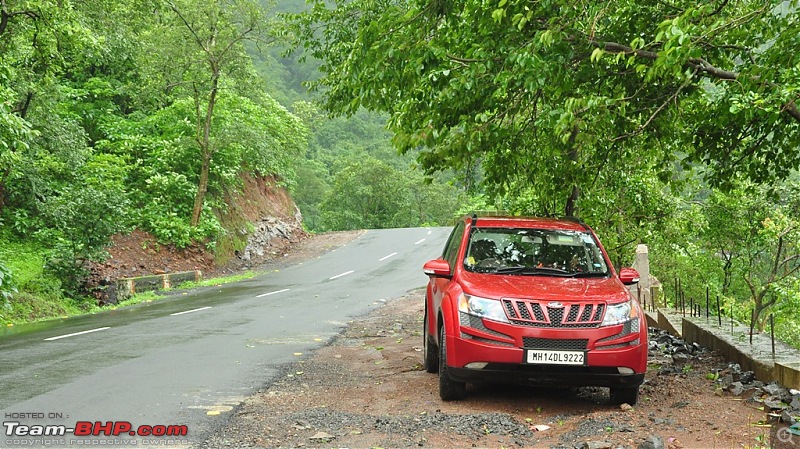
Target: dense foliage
[[668, 123], [145, 114], [122, 114]]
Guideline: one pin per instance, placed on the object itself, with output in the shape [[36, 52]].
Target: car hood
[[545, 288]]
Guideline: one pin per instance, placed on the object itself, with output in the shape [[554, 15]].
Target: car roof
[[568, 224]]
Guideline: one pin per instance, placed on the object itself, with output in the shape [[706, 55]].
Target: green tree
[[569, 90], [742, 244], [771, 270], [198, 51], [367, 194], [36, 37]]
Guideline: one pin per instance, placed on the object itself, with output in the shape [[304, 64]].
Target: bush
[[81, 222]]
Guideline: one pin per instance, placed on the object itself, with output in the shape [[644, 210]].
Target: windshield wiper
[[531, 270], [510, 270], [591, 274]]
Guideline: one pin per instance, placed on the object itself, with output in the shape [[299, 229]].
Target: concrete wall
[[127, 287]]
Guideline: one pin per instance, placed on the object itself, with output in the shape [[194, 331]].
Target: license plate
[[547, 357]]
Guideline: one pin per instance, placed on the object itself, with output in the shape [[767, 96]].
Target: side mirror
[[437, 268], [629, 276]]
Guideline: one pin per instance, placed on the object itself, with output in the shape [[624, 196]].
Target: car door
[[439, 285]]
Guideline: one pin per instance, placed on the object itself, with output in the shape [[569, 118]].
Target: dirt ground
[[368, 389]]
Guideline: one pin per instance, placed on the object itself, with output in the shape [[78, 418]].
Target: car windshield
[[534, 252]]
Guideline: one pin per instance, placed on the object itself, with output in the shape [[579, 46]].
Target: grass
[[220, 280], [27, 307]]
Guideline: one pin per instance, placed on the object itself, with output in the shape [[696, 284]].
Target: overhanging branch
[[698, 64]]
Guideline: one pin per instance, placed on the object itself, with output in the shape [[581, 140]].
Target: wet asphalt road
[[190, 358]]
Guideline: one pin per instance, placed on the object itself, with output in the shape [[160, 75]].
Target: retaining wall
[[733, 342], [127, 287]]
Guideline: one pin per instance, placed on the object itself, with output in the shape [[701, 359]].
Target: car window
[[534, 251], [453, 245]]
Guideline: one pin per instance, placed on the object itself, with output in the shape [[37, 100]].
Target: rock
[[795, 404], [789, 416], [727, 379], [744, 377], [663, 422], [680, 348], [626, 407], [596, 445], [325, 436], [652, 442], [668, 369], [736, 388], [673, 443], [774, 389], [664, 339], [775, 403], [680, 358]]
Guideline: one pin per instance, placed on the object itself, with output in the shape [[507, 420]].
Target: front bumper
[[573, 376], [501, 349]]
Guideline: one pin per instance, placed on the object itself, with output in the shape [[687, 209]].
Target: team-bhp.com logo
[[97, 428]]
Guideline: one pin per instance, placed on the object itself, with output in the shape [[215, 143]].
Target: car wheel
[[624, 395], [449, 389], [430, 353]]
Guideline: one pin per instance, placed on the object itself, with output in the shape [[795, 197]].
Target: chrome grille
[[537, 314], [561, 345]]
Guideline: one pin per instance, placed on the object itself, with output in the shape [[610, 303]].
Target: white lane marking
[[419, 241], [77, 333], [386, 257], [190, 311], [340, 275], [429, 232], [272, 293]]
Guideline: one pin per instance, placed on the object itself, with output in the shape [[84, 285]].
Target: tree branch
[[699, 64], [5, 16], [719, 9], [672, 97]]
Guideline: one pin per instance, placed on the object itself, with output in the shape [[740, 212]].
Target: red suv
[[532, 300]]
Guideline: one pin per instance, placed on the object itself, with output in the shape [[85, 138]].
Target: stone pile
[[775, 398], [662, 343], [262, 240]]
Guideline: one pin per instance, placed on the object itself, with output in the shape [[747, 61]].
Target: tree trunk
[[206, 149], [202, 188], [571, 206], [572, 154]]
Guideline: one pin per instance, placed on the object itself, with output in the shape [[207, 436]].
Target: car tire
[[430, 353], [624, 395], [449, 389]]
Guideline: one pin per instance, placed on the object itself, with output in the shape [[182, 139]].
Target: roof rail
[[489, 213]]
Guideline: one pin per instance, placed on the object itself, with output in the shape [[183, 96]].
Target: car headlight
[[619, 313], [490, 309]]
